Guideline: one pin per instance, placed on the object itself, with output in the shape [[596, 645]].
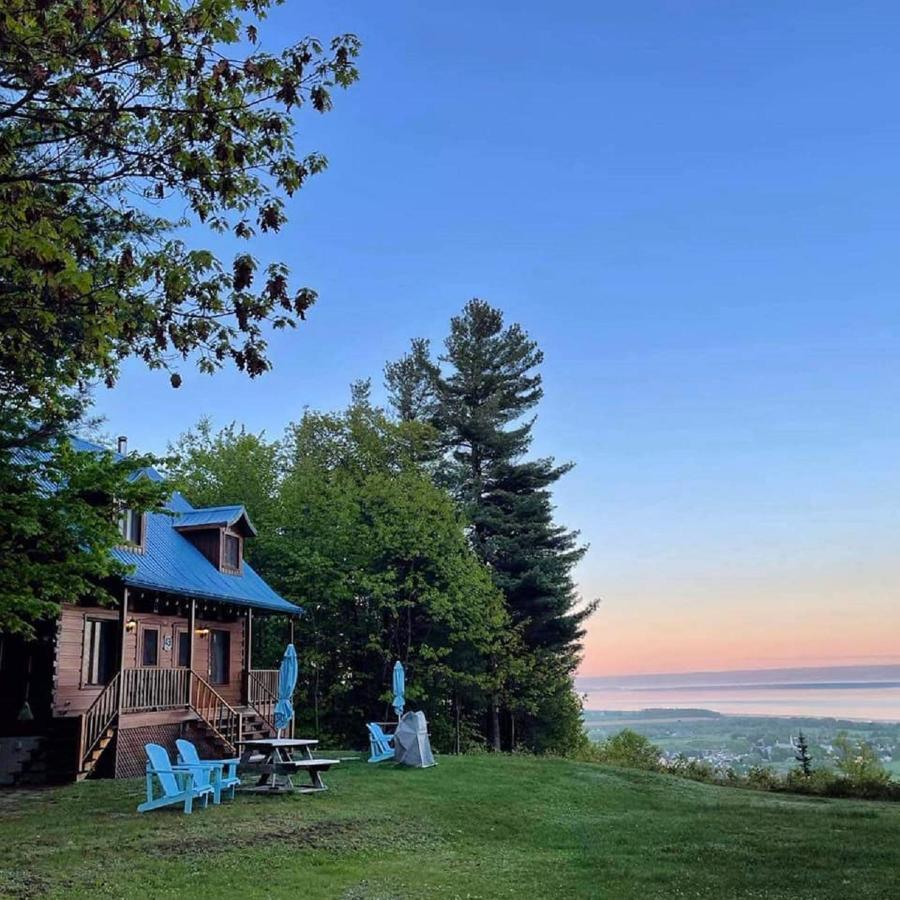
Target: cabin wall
[[71, 696], [208, 541]]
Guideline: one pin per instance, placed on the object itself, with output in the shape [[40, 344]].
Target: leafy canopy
[[121, 121]]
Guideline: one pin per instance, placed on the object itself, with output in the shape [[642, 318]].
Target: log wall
[[71, 696]]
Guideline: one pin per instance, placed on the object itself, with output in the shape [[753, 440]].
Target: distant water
[[845, 692]]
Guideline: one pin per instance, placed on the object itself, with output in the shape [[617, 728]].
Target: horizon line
[[891, 661]]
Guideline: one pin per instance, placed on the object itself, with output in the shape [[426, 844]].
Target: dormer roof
[[217, 517]]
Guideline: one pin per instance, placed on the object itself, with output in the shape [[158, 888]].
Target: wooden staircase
[[136, 689], [89, 763], [98, 728]]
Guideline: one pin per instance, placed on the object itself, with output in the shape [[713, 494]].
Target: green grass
[[476, 826]]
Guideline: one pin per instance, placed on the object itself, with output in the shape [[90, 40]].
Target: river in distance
[[870, 693]]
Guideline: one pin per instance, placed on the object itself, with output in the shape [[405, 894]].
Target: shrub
[[762, 778], [694, 769], [629, 750], [860, 773], [859, 762]]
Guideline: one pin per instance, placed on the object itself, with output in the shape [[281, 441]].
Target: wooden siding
[[207, 540], [71, 696]]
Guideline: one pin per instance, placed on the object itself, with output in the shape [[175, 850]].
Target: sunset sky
[[692, 206]]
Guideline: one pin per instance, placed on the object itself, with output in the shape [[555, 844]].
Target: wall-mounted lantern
[[131, 626], [201, 632]]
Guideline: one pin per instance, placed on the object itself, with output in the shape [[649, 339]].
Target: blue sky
[[693, 207]]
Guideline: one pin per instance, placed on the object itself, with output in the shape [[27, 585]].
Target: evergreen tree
[[410, 382], [477, 399], [801, 754]]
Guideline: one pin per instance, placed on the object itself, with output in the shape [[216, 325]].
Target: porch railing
[[262, 693], [215, 711], [96, 719], [150, 689], [267, 679]]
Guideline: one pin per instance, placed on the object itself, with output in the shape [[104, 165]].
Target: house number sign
[[167, 643]]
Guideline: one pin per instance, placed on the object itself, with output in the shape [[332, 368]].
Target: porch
[[157, 667], [180, 695]]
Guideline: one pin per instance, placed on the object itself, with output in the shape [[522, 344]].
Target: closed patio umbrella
[[399, 688], [287, 681]]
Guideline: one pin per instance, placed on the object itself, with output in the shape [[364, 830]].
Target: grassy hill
[[477, 826]]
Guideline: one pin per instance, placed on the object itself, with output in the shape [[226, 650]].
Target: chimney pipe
[[122, 444]]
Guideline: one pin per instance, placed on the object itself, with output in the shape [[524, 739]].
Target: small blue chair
[[210, 771], [381, 745], [178, 783]]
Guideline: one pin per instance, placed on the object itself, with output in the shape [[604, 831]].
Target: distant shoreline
[[663, 714], [792, 675], [770, 685]]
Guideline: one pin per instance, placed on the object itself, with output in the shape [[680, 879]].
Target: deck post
[[248, 655], [192, 625], [123, 633]]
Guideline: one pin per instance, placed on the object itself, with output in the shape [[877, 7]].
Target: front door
[[220, 653]]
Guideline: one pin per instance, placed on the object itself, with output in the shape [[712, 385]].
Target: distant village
[[741, 742]]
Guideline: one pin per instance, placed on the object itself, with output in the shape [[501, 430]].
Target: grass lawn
[[476, 826]]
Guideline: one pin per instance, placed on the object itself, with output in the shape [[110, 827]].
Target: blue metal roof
[[170, 562], [214, 515]]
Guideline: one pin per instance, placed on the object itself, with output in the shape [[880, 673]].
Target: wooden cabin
[[172, 658]]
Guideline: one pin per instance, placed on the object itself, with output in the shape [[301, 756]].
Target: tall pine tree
[[477, 397]]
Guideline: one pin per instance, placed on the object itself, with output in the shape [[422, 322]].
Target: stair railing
[[260, 695], [96, 719], [225, 721]]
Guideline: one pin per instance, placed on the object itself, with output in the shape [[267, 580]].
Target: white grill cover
[[411, 744]]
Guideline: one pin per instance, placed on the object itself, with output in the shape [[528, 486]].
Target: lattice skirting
[[131, 760]]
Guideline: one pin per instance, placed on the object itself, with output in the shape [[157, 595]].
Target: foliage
[[629, 750], [859, 774], [107, 110], [58, 522], [228, 467], [377, 555], [859, 762], [475, 396]]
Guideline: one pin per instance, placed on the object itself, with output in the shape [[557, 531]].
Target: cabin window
[[150, 647], [219, 654], [232, 555], [131, 526], [100, 650], [183, 649]]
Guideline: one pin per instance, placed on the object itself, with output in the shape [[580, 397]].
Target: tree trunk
[[495, 723]]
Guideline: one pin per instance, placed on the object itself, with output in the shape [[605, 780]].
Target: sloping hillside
[[473, 827]]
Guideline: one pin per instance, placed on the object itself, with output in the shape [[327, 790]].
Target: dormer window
[[231, 553], [218, 532], [131, 527]]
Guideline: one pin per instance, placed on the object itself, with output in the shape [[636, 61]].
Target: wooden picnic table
[[278, 759]]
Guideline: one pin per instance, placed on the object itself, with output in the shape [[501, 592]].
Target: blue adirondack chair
[[381, 745], [177, 782], [210, 771]]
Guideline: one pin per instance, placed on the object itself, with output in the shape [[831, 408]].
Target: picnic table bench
[[274, 760]]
